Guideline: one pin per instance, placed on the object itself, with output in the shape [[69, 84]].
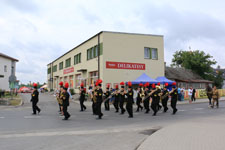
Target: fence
[[201, 93]]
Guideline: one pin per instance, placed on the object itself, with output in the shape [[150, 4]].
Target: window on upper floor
[[68, 62], [151, 53], [93, 51], [61, 66], [154, 53], [49, 70], [54, 68], [77, 59], [5, 68]]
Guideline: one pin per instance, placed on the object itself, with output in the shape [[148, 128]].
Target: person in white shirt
[[68, 90], [190, 91]]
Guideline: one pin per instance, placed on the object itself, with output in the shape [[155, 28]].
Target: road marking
[[32, 117], [182, 110], [2, 117], [62, 133], [198, 108]]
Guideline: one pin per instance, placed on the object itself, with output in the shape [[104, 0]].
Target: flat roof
[[8, 57], [101, 33]]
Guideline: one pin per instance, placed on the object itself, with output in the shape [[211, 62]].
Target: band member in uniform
[[99, 94], [146, 98], [107, 94], [117, 98], [59, 99], [94, 99], [174, 97], [82, 97], [215, 96], [35, 99], [122, 98], [130, 100], [165, 97], [65, 97], [159, 106], [155, 94], [209, 94], [140, 95]]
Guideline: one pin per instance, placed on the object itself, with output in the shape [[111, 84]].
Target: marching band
[[148, 95]]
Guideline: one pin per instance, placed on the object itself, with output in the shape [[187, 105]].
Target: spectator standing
[[190, 90]]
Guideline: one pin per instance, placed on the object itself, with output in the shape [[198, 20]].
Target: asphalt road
[[21, 130]]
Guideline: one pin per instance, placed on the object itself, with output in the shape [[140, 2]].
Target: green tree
[[197, 61], [218, 79]]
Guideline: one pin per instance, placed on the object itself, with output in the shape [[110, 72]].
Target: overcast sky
[[38, 31]]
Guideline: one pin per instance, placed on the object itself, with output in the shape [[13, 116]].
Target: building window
[[96, 51], [68, 62], [93, 77], [55, 68], [150, 53], [147, 53], [49, 70], [61, 66], [93, 51], [77, 59], [5, 68], [78, 80], [154, 53]]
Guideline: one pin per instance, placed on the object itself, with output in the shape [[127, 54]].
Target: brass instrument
[[94, 96], [59, 98], [173, 90], [148, 95], [164, 96], [142, 94]]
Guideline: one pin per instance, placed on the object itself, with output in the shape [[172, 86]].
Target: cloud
[[38, 32], [27, 6]]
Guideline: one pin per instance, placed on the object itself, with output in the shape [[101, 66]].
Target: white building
[[7, 69]]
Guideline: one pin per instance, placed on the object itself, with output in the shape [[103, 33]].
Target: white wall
[[4, 82]]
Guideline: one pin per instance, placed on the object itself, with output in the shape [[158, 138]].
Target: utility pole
[[98, 55]]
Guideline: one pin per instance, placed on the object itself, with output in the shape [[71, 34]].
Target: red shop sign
[[68, 70], [123, 65]]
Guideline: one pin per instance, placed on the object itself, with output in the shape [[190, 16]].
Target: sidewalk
[[187, 136], [205, 100]]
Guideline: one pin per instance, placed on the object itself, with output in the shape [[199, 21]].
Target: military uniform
[[138, 101], [107, 94], [146, 102], [122, 100], [34, 100], [65, 98], [130, 101], [82, 98], [99, 95], [155, 101], [116, 101], [215, 97], [165, 98], [174, 97]]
